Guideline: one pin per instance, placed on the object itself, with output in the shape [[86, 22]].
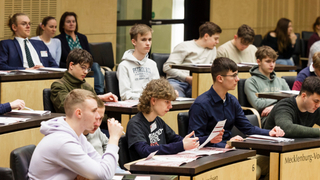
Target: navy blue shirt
[[5, 108], [209, 108]]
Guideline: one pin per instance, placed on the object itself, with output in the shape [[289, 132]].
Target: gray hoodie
[[134, 75], [259, 83], [62, 154]]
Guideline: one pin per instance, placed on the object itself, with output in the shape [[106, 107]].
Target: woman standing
[[282, 40], [70, 39], [45, 32]]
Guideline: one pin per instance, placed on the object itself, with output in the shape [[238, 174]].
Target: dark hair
[[157, 88], [44, 22], [311, 85], [141, 29], [79, 56], [246, 33], [63, 19], [264, 52], [210, 28], [317, 22], [221, 66], [13, 20], [283, 39]]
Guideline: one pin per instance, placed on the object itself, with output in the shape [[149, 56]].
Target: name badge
[[153, 126], [44, 53]]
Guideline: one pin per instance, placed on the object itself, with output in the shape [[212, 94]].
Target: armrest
[[255, 112]]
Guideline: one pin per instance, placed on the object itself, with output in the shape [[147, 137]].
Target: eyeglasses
[[26, 24], [235, 75], [84, 69]]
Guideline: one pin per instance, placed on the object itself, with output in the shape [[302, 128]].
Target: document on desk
[[127, 103], [41, 113], [11, 120], [291, 92], [202, 65], [219, 126], [206, 151], [32, 71], [173, 160], [53, 69], [185, 99], [268, 138]]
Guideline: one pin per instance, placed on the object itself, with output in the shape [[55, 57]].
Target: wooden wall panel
[[262, 15]]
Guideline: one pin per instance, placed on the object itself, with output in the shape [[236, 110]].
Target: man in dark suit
[[22, 53]]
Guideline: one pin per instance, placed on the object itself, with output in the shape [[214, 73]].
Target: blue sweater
[[5, 108], [209, 108]]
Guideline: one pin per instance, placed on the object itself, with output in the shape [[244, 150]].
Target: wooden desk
[[229, 165], [29, 86], [152, 177], [291, 160], [126, 113], [202, 80], [276, 95], [20, 134]]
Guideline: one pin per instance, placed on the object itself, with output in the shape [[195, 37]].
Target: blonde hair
[[13, 20], [316, 60], [141, 29], [157, 88], [75, 98]]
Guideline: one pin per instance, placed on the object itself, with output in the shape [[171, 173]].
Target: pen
[[28, 108], [122, 131]]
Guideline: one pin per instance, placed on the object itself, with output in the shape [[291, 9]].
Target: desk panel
[[244, 170], [11, 141], [302, 164], [30, 91]]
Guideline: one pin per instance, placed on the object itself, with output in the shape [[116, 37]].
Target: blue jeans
[[285, 61], [98, 78], [184, 89]]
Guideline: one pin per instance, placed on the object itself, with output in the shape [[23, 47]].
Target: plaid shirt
[[73, 44]]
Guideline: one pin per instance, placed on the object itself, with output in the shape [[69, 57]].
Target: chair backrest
[[160, 59], [257, 40], [124, 156], [102, 53], [297, 52], [304, 46], [6, 173], [290, 80], [111, 83], [306, 34], [242, 97], [253, 120], [183, 123], [47, 104], [20, 161]]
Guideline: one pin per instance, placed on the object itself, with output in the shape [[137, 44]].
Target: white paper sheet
[[219, 126]]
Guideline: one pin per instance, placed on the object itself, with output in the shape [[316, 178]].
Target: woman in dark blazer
[[70, 39]]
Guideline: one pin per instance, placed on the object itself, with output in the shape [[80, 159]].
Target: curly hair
[[157, 88]]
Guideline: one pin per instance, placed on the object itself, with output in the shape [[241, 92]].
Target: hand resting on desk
[[276, 132]]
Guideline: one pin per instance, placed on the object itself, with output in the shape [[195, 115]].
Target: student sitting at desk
[[45, 32], [64, 152], [312, 70], [199, 51], [98, 139], [7, 107], [70, 39], [136, 69], [240, 48], [297, 115], [20, 52], [264, 79], [217, 104], [147, 132], [79, 62]]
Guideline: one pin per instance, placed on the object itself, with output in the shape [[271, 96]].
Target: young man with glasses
[[217, 104], [79, 62], [264, 79], [20, 52]]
